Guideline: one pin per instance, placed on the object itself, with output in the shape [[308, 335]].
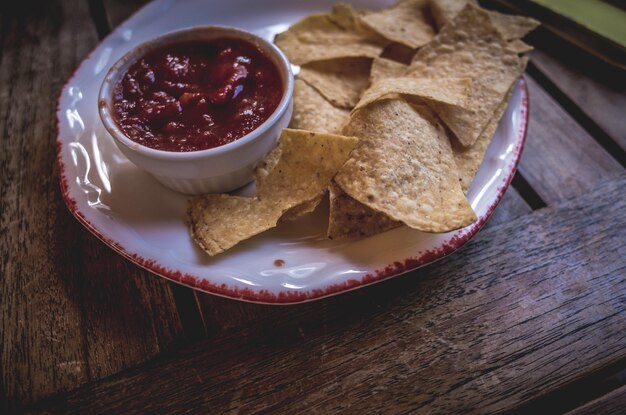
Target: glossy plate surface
[[142, 220]]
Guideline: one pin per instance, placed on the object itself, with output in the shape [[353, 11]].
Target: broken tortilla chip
[[312, 112], [403, 167], [302, 168], [318, 37], [350, 218], [403, 23], [341, 81], [445, 91], [460, 50]]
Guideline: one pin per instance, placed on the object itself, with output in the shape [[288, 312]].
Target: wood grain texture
[[71, 309], [505, 330], [613, 403], [598, 91], [560, 160]]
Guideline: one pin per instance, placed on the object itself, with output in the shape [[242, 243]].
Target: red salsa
[[197, 95]]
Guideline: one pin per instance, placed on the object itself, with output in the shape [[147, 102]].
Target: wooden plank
[[560, 160], [71, 310], [530, 306], [599, 91], [613, 403]]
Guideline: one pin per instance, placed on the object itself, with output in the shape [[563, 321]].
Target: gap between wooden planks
[[539, 305]]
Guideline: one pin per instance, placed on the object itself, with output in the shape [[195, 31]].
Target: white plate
[[142, 220]]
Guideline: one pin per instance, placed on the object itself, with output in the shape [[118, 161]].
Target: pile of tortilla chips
[[393, 112]]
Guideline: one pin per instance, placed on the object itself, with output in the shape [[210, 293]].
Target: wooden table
[[528, 316]]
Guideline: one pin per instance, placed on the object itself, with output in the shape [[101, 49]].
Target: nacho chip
[[403, 23], [263, 171], [510, 27], [445, 91], [317, 37], [513, 27], [470, 47], [386, 68], [352, 219], [306, 163], [340, 81], [346, 16], [219, 222], [403, 167], [444, 11], [312, 112], [299, 173], [469, 159]]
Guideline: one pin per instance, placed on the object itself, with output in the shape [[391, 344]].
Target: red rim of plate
[[293, 297]]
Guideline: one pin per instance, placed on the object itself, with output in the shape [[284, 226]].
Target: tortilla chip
[[300, 170], [346, 16], [352, 219], [218, 222], [306, 163], [519, 46], [513, 27], [385, 68], [444, 11], [403, 167], [312, 112], [403, 23], [510, 27], [471, 47], [445, 91], [469, 159], [340, 81], [263, 171], [317, 37]]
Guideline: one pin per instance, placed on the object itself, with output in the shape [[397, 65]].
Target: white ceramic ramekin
[[215, 170]]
